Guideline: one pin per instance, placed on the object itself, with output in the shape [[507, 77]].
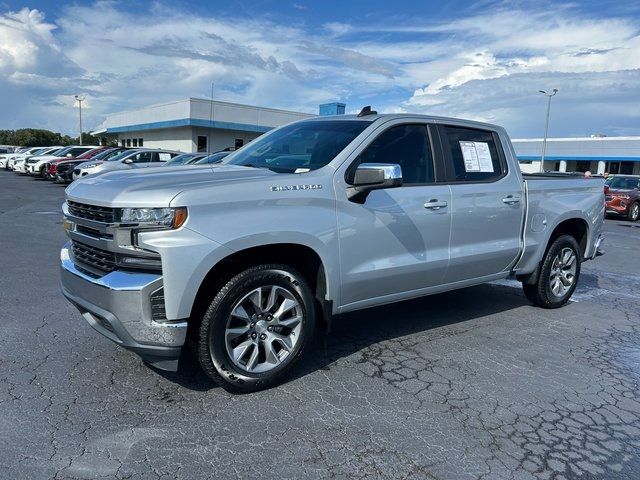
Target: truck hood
[[155, 187]]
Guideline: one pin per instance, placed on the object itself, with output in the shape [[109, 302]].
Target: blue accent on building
[[333, 108], [570, 158], [190, 122]]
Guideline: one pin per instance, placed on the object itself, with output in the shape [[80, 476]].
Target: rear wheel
[[558, 276], [634, 212], [256, 328]]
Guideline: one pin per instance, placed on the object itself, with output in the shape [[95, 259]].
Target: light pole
[[80, 99], [546, 125]]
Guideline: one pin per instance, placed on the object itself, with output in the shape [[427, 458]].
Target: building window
[[139, 142], [583, 165], [202, 143], [239, 143], [626, 168], [128, 142], [556, 167], [123, 142], [135, 142]]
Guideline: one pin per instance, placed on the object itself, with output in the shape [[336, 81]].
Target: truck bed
[[552, 198]]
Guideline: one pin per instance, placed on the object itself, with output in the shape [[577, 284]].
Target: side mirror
[[128, 160], [373, 176]]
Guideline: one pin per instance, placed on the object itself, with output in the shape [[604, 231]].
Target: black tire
[[540, 293], [211, 342], [634, 212]]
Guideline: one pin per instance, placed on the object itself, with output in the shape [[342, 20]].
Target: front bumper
[[118, 306]]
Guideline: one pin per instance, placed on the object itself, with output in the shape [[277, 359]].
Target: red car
[[622, 196], [51, 167]]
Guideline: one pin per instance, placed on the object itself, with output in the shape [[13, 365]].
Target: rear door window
[[142, 157], [471, 155]]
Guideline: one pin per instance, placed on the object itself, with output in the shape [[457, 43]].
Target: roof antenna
[[367, 111]]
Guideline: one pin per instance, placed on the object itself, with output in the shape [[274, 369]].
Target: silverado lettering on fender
[[314, 219]]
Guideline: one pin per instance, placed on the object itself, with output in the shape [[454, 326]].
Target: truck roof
[[392, 116]]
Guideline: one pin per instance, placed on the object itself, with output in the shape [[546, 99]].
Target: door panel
[[398, 240], [486, 207], [392, 243]]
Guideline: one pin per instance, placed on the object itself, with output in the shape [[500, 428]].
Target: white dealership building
[[196, 125], [597, 154]]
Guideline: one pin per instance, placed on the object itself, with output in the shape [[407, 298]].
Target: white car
[[9, 159], [139, 158], [35, 165]]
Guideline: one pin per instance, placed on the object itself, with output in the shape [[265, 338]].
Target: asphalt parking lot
[[475, 383]]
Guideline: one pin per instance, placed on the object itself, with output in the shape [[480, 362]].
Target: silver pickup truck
[[242, 260]]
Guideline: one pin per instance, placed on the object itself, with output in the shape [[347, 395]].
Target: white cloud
[[487, 66]]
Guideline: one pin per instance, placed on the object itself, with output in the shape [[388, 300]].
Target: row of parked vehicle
[[65, 164]]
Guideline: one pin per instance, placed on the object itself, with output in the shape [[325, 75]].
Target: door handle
[[511, 200], [434, 204]]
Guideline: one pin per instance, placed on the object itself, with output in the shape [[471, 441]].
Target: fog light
[[144, 262]]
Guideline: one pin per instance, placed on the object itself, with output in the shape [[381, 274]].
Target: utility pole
[[546, 125], [210, 134], [80, 99]]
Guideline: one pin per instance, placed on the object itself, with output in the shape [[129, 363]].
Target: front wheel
[[256, 328], [558, 276], [634, 212]]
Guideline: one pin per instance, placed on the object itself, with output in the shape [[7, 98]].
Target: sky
[[483, 60]]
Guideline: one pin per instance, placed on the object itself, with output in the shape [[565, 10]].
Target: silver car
[[139, 158]]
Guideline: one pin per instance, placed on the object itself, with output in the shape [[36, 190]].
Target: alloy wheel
[[263, 328], [563, 272]]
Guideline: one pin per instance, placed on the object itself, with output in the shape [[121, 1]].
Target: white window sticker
[[470, 156], [477, 157], [164, 157]]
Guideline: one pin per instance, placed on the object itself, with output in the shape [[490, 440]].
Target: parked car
[[36, 166], [64, 170], [623, 196], [213, 158], [21, 164], [50, 167], [11, 159], [316, 218], [184, 159], [139, 158]]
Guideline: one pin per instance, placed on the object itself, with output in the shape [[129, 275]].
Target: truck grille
[[97, 258], [92, 212], [64, 168]]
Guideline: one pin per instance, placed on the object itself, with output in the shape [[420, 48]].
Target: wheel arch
[[577, 227], [303, 258]]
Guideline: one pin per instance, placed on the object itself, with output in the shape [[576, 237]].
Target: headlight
[[169, 217]]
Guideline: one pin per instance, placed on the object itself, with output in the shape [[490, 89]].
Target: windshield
[[213, 158], [301, 146], [63, 151], [121, 155], [183, 159], [622, 183]]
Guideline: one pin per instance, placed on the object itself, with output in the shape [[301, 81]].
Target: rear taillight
[[53, 168]]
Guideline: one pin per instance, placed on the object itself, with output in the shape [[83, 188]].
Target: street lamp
[[80, 99], [546, 125]]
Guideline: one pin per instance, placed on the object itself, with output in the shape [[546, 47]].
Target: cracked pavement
[[475, 383]]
